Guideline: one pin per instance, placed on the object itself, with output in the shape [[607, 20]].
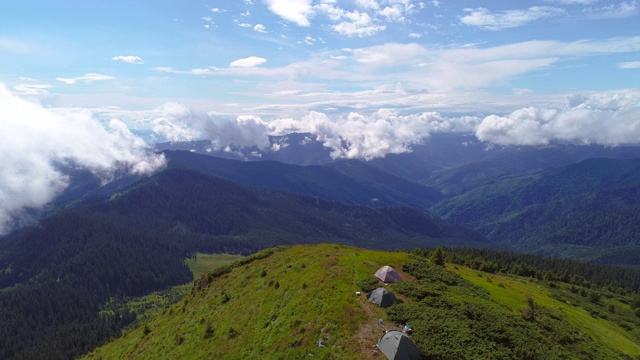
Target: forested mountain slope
[[589, 210], [352, 182]]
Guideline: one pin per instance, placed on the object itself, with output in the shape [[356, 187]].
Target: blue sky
[[265, 56], [94, 83]]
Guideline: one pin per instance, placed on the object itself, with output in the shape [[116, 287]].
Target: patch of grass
[[202, 263]]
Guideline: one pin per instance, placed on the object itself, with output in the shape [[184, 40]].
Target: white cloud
[[297, 11], [483, 18], [629, 65], [34, 140], [359, 24], [613, 11], [350, 23], [180, 123], [86, 78], [368, 4], [389, 54], [198, 71], [415, 35], [607, 119], [32, 89], [521, 91], [248, 62], [426, 69], [572, 2], [131, 59], [392, 14], [246, 25], [260, 28], [367, 137]]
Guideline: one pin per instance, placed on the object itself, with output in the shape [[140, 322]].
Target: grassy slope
[[514, 291], [150, 305], [279, 306], [306, 294]]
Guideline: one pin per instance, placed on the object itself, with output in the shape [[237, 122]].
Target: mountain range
[[98, 242]]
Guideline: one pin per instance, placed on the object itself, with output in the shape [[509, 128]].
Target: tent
[[397, 346], [388, 274], [382, 297]]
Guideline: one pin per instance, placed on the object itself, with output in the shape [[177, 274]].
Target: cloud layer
[[86, 78], [483, 18], [131, 59], [366, 137], [34, 140], [607, 119]]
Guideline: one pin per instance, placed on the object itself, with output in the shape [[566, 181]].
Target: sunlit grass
[[514, 291], [275, 307], [202, 263]]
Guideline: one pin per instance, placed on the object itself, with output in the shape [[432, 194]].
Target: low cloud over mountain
[[605, 119], [34, 141]]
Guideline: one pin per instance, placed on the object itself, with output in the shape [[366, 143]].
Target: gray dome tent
[[388, 274], [397, 346], [382, 297]]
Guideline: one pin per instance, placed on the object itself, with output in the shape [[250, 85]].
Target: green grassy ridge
[[278, 307], [278, 303]]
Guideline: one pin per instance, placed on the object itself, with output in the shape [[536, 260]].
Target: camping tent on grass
[[397, 346], [382, 297], [388, 274]]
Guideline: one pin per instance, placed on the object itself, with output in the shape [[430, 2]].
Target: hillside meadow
[[300, 302]]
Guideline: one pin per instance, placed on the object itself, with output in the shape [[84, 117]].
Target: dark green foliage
[[437, 257], [209, 331], [368, 284], [225, 298], [529, 312], [576, 210], [545, 268], [448, 327]]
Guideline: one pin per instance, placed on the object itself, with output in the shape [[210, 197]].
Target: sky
[[95, 83]]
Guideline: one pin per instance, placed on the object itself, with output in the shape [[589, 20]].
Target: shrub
[[209, 331], [368, 284]]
